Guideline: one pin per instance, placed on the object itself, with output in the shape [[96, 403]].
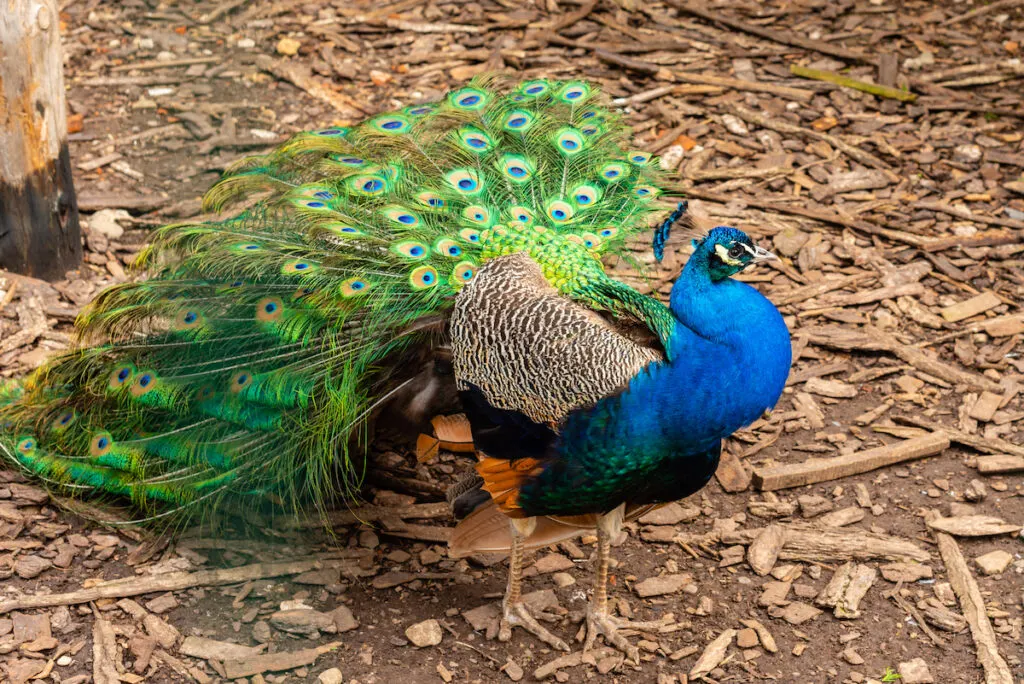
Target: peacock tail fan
[[247, 363]]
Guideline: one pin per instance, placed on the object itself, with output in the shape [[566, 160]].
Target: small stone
[[967, 153], [975, 491], [426, 633], [553, 562], [379, 78], [245, 43], [28, 567], [65, 660], [514, 670], [797, 613], [671, 514], [332, 676], [851, 656], [915, 672], [811, 506], [288, 46], [994, 562], [429, 557], [563, 579], [659, 586], [368, 539], [747, 638], [398, 556], [162, 603], [261, 632], [105, 222], [343, 619], [305, 622]]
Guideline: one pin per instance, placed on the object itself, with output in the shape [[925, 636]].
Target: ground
[[900, 228]]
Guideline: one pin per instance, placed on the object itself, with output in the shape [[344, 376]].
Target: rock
[[851, 656], [261, 633], [563, 579], [319, 577], [975, 491], [332, 676], [797, 613], [514, 670], [426, 633], [774, 593], [835, 389], [967, 153], [735, 125], [747, 638], [162, 603], [659, 586], [303, 621], [28, 567], [429, 557], [906, 572], [105, 222], [553, 562], [344, 621], [246, 43], [811, 505], [670, 514], [288, 46], [915, 672], [788, 242], [481, 617], [994, 562]]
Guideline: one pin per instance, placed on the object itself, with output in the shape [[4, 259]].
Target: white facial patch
[[723, 254]]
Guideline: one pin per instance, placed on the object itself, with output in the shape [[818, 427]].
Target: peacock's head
[[727, 251]]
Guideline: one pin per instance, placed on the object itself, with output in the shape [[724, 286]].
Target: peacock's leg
[[516, 612], [599, 618]]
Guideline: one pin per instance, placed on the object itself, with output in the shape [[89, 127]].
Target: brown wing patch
[[503, 478]]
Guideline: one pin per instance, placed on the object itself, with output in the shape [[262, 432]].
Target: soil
[[177, 127]]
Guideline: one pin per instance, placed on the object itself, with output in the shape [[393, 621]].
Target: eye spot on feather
[[478, 215], [462, 273], [464, 181], [303, 292], [248, 247], [423, 278], [342, 229], [239, 381], [559, 211], [145, 382], [119, 376], [299, 267], [447, 247], [411, 250], [204, 393], [186, 320], [521, 214], [353, 287], [470, 235], [352, 161], [419, 111], [331, 132], [63, 420], [608, 232], [469, 99], [569, 141], [367, 185], [534, 89], [26, 446], [391, 123], [639, 158], [269, 309], [101, 444]]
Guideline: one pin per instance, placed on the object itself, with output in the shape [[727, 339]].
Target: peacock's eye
[[736, 251]]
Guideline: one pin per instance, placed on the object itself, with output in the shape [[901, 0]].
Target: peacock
[[355, 268]]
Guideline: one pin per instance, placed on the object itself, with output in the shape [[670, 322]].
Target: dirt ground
[[901, 231]]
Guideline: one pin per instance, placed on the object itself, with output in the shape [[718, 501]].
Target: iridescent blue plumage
[[731, 357]]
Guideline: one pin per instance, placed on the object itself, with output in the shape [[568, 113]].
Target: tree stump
[[39, 233]]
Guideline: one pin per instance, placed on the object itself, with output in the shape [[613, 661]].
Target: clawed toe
[[608, 627], [518, 615]]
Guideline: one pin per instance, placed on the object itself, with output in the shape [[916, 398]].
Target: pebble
[[261, 632], [553, 562], [906, 572], [747, 638], [246, 43], [514, 670], [994, 562], [851, 656], [426, 633], [288, 46], [343, 619], [65, 660], [915, 672], [659, 586], [332, 676], [563, 579], [672, 514], [306, 622], [967, 153]]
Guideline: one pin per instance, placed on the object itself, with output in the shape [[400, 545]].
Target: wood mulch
[[869, 527]]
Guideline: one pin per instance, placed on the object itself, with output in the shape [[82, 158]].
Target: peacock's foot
[[608, 626], [518, 615]]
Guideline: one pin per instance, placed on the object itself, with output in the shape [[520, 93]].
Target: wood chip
[[972, 525], [764, 550], [847, 588], [713, 655], [824, 469], [276, 662], [971, 307], [973, 606], [995, 465]]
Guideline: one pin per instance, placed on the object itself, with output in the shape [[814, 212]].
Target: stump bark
[[39, 232]]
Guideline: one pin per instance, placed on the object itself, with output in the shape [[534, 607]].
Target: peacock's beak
[[762, 254]]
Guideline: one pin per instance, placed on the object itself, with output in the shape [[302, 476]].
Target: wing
[[524, 349]]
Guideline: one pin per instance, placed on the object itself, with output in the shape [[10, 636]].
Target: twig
[[910, 610], [853, 152], [426, 27], [973, 606], [297, 76], [846, 81], [572, 18], [221, 10], [967, 215], [367, 514], [998, 5], [782, 37], [165, 64], [174, 581]]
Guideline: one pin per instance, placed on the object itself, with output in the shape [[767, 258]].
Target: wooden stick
[[973, 606], [823, 469], [826, 545], [984, 9], [174, 581], [368, 514], [962, 213], [782, 37], [165, 64], [983, 444], [847, 82], [851, 151]]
